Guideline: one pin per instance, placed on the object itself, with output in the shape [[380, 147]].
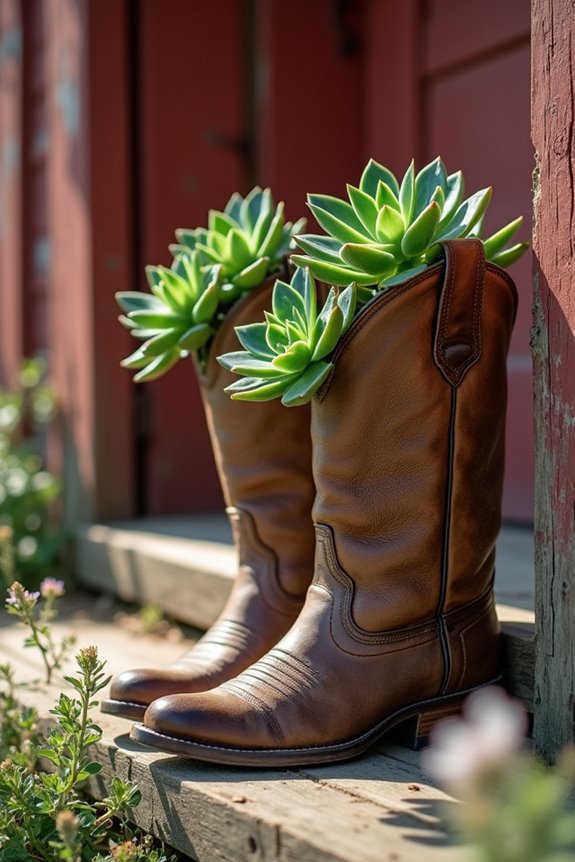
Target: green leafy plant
[[212, 266], [37, 616], [287, 354], [249, 240], [45, 815], [390, 231], [28, 492]]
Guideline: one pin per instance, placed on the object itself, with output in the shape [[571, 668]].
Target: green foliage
[[178, 317], [44, 813], [390, 231], [212, 267], [249, 240], [287, 356], [28, 492]]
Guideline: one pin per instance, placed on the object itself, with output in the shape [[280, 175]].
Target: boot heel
[[414, 733]]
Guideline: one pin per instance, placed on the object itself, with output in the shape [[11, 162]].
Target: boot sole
[[414, 721], [123, 709]]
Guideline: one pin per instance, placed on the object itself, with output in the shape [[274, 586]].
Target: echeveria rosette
[[287, 355], [178, 317], [390, 231], [249, 240]]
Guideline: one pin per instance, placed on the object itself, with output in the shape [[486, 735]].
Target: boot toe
[[217, 718]]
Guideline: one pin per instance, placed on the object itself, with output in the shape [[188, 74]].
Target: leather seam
[[259, 704], [462, 633]]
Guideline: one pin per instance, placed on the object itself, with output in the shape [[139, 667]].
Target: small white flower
[[492, 728]]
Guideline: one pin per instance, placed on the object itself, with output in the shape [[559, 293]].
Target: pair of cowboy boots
[[398, 624]]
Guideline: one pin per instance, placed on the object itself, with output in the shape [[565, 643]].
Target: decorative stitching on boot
[[233, 687]]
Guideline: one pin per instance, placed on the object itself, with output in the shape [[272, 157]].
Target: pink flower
[[17, 596], [491, 729], [51, 588]]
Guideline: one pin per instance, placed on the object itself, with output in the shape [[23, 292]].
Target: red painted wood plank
[[309, 101], [87, 217], [553, 118], [191, 87], [11, 311], [458, 33]]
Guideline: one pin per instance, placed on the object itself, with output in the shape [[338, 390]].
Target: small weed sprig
[[37, 615], [44, 816]]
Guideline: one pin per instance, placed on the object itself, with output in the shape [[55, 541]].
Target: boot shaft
[[409, 443], [263, 457]]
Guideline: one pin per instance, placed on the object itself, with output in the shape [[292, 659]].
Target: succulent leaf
[[369, 258], [364, 207], [386, 197], [510, 255], [337, 228], [421, 232], [307, 384], [332, 273], [373, 173], [158, 366], [286, 354], [407, 194], [253, 274], [496, 241], [133, 300], [321, 247], [390, 225], [431, 177]]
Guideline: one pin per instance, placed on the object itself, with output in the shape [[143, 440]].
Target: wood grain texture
[[379, 807], [553, 342]]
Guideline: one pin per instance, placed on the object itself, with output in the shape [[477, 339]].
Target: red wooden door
[[453, 79]]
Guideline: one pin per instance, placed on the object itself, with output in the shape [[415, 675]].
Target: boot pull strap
[[458, 337]]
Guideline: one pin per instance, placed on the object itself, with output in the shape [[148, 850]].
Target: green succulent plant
[[179, 316], [287, 356], [249, 240], [390, 231]]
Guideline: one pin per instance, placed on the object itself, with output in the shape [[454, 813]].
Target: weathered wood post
[[553, 343]]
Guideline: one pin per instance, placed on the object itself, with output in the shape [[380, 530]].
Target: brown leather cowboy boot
[[399, 623], [263, 455]]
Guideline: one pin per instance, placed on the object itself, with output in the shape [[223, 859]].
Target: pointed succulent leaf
[[158, 366], [400, 277], [126, 322], [298, 225], [252, 274], [256, 389], [208, 255], [369, 258], [332, 273], [261, 229], [496, 241], [194, 273], [386, 197], [339, 229], [250, 209], [467, 214], [509, 255], [390, 225], [372, 174], [421, 232], [273, 236], [453, 197], [429, 178], [237, 249], [233, 207], [253, 338], [195, 337], [177, 292], [284, 298], [220, 223], [307, 384], [439, 197], [364, 207], [347, 301], [303, 283], [163, 319], [321, 247], [330, 335], [242, 362], [160, 343], [295, 332], [206, 306], [153, 276], [338, 209], [137, 359], [134, 300], [186, 237], [276, 337], [295, 358], [407, 194], [433, 253], [176, 249], [217, 242]]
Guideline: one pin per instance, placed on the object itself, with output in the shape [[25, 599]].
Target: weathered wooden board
[[367, 810], [553, 343]]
